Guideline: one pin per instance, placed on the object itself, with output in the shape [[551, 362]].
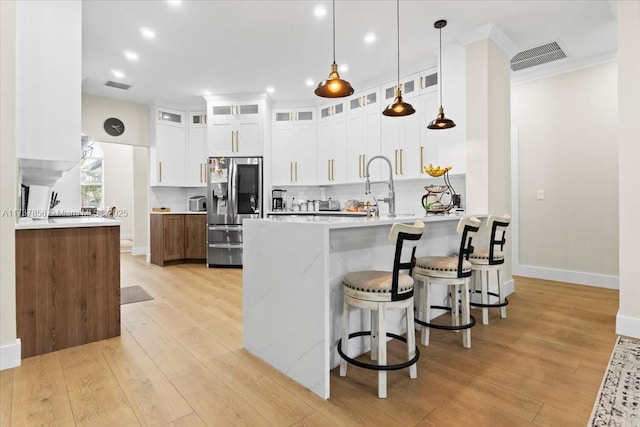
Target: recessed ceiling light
[[270, 89], [131, 56], [174, 3], [117, 73], [309, 82], [148, 33], [343, 68], [320, 11], [370, 37]]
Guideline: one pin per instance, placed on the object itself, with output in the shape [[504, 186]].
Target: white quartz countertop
[[70, 222], [334, 222], [180, 213]]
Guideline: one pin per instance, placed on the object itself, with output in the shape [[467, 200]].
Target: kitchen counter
[[66, 222], [292, 285]]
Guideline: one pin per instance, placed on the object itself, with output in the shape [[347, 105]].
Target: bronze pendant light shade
[[441, 122], [334, 86], [398, 108]]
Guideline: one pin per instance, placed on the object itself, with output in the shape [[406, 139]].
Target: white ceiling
[[244, 46]]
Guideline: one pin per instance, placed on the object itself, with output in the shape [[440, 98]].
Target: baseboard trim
[[627, 326], [139, 251], [126, 236], [509, 287], [576, 277], [10, 355]]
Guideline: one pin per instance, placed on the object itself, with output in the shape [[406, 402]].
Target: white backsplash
[[408, 193], [176, 198]]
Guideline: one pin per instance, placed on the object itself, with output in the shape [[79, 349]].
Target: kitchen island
[[67, 282], [292, 285]]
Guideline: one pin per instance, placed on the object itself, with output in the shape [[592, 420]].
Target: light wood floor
[[180, 362]]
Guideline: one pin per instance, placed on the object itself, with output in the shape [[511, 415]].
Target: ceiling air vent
[[117, 85], [537, 56]]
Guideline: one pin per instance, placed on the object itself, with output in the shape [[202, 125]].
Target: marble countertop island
[[65, 222], [292, 285]]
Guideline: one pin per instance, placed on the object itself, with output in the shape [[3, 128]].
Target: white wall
[[567, 126], [95, 110], [628, 319], [9, 345], [118, 184]]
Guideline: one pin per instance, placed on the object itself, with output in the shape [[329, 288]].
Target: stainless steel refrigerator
[[234, 193]]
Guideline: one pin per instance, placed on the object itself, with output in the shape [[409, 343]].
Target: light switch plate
[[540, 194]]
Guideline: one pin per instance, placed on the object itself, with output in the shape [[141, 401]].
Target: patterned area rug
[[131, 294], [618, 401]]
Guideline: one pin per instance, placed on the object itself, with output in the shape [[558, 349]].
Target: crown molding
[[493, 33]]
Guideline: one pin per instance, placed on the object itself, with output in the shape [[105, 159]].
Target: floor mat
[[618, 401], [133, 294]]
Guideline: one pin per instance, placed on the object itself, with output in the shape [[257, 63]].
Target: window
[[91, 174]]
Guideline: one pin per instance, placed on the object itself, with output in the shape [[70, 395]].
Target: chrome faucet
[[391, 200]]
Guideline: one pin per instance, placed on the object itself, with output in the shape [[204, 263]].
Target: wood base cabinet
[[175, 237], [67, 287]]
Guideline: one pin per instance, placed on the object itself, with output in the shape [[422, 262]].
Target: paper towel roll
[[39, 200]]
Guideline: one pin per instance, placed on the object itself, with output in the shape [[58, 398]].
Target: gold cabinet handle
[[421, 159], [237, 141], [360, 166], [296, 171], [159, 115], [401, 168], [291, 171], [329, 170], [333, 177], [421, 82], [160, 170]]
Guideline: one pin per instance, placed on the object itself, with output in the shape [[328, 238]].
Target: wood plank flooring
[[180, 362]]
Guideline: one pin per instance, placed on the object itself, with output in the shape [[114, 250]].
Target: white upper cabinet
[[235, 129], [48, 86], [332, 144], [401, 143], [428, 81], [293, 149], [410, 86], [168, 148], [363, 134], [197, 149]]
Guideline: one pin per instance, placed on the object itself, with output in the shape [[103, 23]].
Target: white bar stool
[[485, 261], [453, 272], [379, 291]]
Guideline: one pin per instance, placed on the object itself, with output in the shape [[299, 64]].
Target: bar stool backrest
[[497, 226], [405, 238], [467, 228]]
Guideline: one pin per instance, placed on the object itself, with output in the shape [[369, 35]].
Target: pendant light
[[334, 86], [441, 122], [398, 108]]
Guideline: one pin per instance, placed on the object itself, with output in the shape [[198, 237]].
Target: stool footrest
[[371, 365], [493, 294], [471, 324]]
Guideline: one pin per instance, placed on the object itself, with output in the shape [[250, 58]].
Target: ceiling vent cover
[[537, 56], [117, 85]]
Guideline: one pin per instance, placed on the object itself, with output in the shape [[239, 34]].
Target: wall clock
[[113, 126]]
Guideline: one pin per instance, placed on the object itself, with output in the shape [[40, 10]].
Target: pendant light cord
[[398, 38], [334, 30], [440, 60]]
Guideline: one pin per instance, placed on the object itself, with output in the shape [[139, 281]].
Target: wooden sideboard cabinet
[[176, 237], [67, 287]]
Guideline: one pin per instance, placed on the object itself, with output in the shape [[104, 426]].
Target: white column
[[9, 345], [628, 318], [488, 82]]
